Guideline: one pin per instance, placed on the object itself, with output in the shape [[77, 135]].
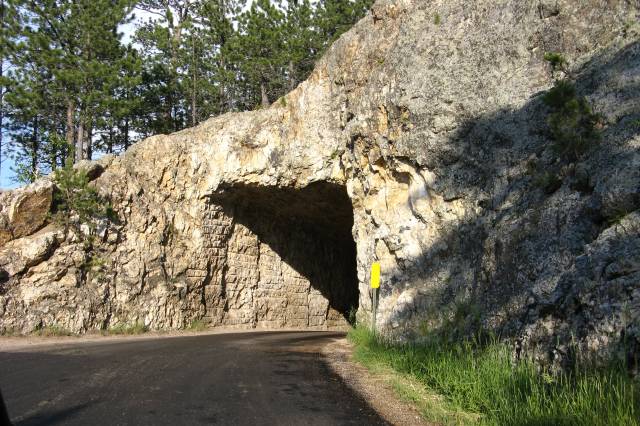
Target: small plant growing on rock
[[557, 61], [617, 216], [436, 19], [573, 124], [77, 207], [549, 182], [77, 203]]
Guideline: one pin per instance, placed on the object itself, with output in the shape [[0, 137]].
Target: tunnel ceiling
[[321, 206]]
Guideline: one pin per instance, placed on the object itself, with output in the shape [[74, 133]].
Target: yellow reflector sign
[[375, 275]]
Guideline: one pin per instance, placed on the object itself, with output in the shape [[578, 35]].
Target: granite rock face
[[417, 142], [25, 210]]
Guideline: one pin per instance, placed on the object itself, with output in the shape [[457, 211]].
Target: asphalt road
[[224, 379]]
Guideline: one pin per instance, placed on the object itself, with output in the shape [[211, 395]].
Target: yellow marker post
[[375, 275], [375, 285]]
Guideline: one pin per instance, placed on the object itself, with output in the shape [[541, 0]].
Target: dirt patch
[[374, 389]]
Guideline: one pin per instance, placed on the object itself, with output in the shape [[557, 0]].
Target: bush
[[76, 202], [573, 125]]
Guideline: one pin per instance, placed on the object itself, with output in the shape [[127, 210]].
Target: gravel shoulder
[[375, 389]]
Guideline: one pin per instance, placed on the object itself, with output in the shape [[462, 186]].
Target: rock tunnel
[[280, 257]]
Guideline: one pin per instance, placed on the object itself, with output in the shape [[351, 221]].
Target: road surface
[[257, 378]]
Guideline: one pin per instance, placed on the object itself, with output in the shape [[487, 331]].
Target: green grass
[[51, 331], [197, 325], [465, 383], [128, 329]]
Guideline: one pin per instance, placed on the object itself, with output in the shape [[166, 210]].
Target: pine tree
[[123, 107], [74, 88], [162, 40], [334, 17], [211, 76], [4, 35], [258, 52], [10, 25], [75, 45], [302, 42]]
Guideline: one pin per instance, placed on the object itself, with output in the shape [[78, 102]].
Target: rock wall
[[241, 263], [436, 132]]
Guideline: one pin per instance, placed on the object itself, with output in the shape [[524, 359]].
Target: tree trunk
[[88, 142], [265, 98], [223, 96], [80, 142], [70, 126], [126, 133], [110, 143], [35, 148], [292, 76], [194, 119]]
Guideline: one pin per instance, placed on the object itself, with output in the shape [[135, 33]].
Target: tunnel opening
[[305, 273]]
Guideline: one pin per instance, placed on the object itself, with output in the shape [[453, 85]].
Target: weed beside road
[[467, 383]]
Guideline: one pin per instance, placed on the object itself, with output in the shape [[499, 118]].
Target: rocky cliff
[[421, 141]]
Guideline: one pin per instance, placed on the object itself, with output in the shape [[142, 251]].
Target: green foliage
[[24, 174], [352, 315], [51, 331], [95, 264], [556, 60], [197, 325], [616, 217], [480, 384], [630, 27], [573, 124], [74, 88], [548, 181], [10, 332], [76, 201], [67, 61], [562, 94], [128, 329], [436, 19]]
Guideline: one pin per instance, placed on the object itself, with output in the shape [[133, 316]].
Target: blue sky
[[5, 174]]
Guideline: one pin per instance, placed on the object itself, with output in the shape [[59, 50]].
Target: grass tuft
[[197, 325], [468, 383], [128, 329], [51, 331]]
